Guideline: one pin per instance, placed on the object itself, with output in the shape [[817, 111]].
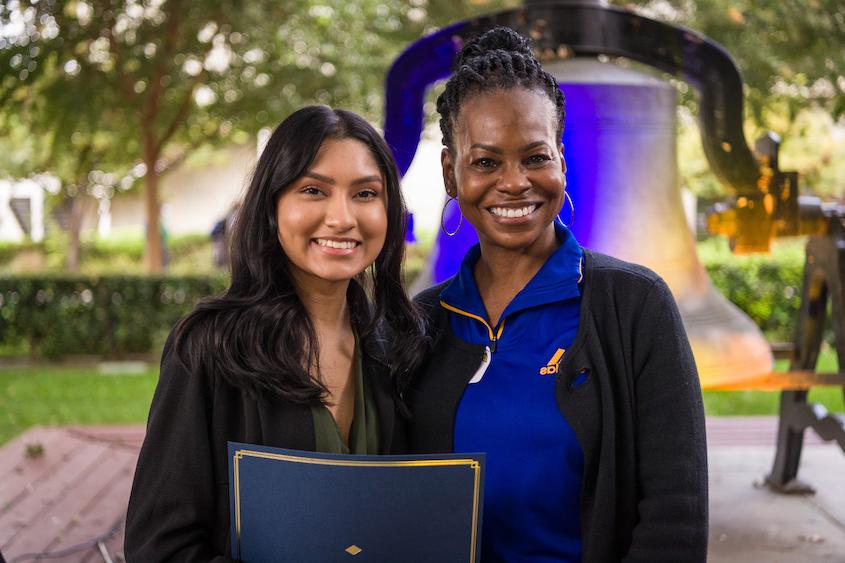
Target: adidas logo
[[552, 366]]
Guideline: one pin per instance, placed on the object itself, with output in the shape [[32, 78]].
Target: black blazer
[[179, 505]]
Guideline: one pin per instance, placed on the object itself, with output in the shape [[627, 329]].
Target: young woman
[[569, 368], [291, 355]]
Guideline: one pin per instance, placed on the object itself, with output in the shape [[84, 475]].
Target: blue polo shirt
[[534, 460]]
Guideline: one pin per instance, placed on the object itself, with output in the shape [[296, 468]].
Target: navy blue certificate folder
[[288, 505]]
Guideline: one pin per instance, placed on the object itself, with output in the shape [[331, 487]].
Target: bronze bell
[[620, 148]]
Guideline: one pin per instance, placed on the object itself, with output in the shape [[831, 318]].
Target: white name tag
[[485, 363]]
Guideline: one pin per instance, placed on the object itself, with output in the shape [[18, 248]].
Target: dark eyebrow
[[327, 180], [497, 150], [533, 145], [318, 177], [488, 148], [367, 180]]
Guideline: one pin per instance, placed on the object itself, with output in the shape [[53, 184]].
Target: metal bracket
[[824, 272]]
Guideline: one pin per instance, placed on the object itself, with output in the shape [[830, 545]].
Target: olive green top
[[364, 431]]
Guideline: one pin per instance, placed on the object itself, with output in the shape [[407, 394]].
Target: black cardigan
[[639, 416], [179, 505]]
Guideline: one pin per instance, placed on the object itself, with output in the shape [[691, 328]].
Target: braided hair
[[499, 59]]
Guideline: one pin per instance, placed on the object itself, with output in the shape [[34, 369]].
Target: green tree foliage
[[83, 158], [791, 54], [164, 77]]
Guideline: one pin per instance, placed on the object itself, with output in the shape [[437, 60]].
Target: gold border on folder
[[471, 463]]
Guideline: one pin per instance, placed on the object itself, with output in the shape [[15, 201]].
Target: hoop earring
[[443, 215], [571, 212]]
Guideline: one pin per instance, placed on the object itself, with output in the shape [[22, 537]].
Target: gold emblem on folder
[[353, 550]]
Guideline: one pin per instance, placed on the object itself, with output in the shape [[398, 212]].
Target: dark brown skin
[[506, 155]]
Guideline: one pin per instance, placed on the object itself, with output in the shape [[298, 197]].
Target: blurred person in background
[[220, 236]]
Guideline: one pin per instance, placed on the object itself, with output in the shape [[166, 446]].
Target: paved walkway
[[748, 523], [77, 490], [73, 492]]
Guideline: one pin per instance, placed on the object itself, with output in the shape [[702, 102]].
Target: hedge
[[189, 255], [769, 293], [766, 286], [112, 316]]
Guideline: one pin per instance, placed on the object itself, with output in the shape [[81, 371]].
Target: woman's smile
[[337, 246], [514, 215]]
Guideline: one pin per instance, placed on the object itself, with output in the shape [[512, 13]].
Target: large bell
[[620, 149]]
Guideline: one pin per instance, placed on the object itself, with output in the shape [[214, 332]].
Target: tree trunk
[[153, 255], [74, 226]]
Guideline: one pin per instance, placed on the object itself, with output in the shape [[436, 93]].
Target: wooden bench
[[796, 414]]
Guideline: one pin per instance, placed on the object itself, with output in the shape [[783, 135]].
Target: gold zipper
[[494, 335]]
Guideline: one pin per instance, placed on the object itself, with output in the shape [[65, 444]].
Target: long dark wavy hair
[[258, 335]]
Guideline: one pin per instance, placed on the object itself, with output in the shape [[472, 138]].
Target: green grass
[[59, 396], [721, 403]]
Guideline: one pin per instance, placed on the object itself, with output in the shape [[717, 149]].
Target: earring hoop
[[571, 212], [443, 216]]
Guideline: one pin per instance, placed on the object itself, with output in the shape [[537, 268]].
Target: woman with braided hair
[[570, 369]]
